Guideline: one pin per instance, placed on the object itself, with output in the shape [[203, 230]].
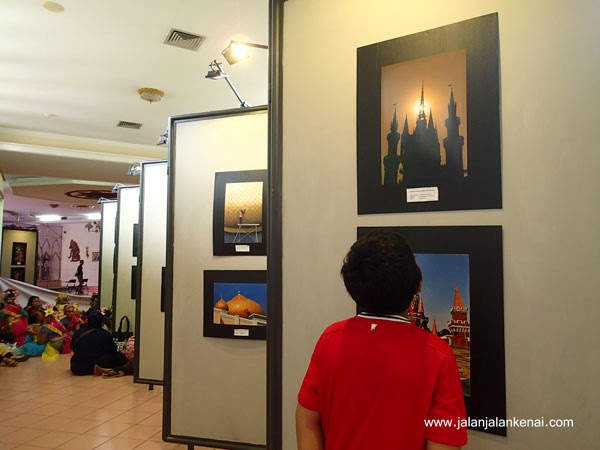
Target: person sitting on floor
[[31, 347], [71, 320], [57, 337], [8, 358], [93, 346], [33, 303], [13, 318]]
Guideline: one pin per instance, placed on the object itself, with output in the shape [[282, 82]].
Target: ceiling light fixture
[[53, 7], [216, 72], [48, 218], [237, 51], [150, 95]]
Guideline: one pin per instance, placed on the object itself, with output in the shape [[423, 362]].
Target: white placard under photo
[[150, 317], [215, 387]]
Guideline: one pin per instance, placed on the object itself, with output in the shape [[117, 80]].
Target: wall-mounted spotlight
[[237, 51], [117, 187], [216, 72], [163, 138], [135, 169]]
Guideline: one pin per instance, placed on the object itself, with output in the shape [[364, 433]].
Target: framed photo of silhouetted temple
[[428, 120], [240, 213], [461, 302]]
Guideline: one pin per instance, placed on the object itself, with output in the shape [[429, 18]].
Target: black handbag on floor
[[121, 335]]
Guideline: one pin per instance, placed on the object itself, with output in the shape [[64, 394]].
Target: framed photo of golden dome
[[240, 213], [235, 304]]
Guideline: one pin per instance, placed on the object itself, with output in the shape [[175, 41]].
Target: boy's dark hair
[[380, 273]]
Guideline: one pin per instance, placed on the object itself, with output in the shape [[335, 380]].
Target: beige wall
[[30, 238], [550, 66]]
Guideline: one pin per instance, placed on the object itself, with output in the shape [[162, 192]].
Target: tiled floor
[[43, 406]]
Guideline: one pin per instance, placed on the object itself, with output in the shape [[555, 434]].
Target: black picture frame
[[136, 240], [17, 273], [483, 244], [470, 177], [231, 280], [250, 237], [19, 254]]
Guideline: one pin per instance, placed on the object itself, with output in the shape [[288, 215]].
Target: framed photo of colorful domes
[[428, 120], [461, 302], [235, 304]]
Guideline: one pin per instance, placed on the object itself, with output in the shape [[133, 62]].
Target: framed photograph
[[17, 273], [19, 254], [462, 302], [235, 304], [136, 239], [240, 213], [428, 120], [95, 256]]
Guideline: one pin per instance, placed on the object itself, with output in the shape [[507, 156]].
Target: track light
[[135, 169], [163, 138], [216, 72], [237, 51]]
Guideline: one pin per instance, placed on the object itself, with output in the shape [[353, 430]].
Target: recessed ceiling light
[[48, 218], [53, 7], [48, 115]]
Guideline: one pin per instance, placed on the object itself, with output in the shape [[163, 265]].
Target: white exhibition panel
[[218, 386], [107, 253], [128, 212], [150, 319]]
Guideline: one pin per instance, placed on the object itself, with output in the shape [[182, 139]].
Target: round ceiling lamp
[[150, 95]]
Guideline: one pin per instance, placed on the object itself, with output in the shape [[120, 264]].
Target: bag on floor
[[50, 353], [122, 334]]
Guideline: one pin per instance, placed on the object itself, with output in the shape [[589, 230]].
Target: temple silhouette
[[419, 163]]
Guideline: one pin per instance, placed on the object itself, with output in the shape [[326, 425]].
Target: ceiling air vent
[[183, 39], [132, 125]]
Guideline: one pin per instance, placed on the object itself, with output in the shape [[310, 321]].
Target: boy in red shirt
[[375, 379]]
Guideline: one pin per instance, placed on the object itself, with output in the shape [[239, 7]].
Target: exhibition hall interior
[[180, 183]]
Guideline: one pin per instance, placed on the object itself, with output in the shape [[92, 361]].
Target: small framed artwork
[[19, 254], [95, 256], [17, 273], [461, 302], [428, 120], [240, 213], [136, 239], [235, 304]]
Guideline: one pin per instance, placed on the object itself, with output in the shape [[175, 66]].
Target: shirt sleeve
[[308, 396], [447, 407]]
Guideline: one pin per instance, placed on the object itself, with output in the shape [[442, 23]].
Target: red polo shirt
[[375, 380]]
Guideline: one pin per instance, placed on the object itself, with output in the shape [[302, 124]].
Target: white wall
[[85, 239], [550, 66], [109, 215]]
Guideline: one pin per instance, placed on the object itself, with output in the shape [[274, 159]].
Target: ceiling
[[68, 78]]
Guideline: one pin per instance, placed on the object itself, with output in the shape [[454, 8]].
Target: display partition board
[[128, 209], [150, 317], [107, 253], [215, 388]]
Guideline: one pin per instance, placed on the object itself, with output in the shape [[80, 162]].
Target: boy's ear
[[420, 287]]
